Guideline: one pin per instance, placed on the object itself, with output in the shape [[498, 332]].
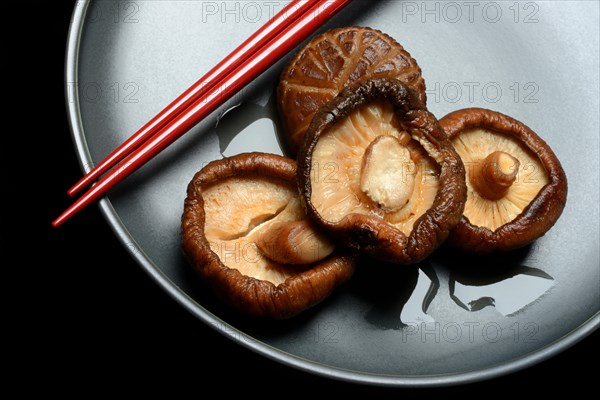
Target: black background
[[95, 318]]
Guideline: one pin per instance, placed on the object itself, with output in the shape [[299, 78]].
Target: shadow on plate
[[395, 292], [499, 280]]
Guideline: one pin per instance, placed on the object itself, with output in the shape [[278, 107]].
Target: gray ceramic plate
[[451, 319]]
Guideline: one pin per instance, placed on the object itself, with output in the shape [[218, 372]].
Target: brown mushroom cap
[[231, 205], [332, 61], [517, 188], [341, 133]]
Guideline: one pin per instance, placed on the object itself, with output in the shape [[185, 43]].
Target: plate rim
[[238, 336]]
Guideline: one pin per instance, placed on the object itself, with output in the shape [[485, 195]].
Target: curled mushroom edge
[[242, 219], [368, 217], [517, 186]]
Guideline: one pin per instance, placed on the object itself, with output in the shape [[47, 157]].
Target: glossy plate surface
[[450, 319]]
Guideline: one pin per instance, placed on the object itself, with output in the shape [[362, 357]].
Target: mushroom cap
[[229, 203], [363, 225], [532, 204], [332, 61]]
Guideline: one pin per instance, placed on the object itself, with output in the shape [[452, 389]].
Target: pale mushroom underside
[[337, 162], [475, 145], [237, 211]]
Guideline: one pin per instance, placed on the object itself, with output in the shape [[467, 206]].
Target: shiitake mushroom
[[246, 234], [517, 188], [327, 64], [377, 172]]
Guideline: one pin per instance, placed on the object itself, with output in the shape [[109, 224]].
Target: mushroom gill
[[377, 172], [503, 176], [368, 164], [517, 188], [238, 210], [246, 234]]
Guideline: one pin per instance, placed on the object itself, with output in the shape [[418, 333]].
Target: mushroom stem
[[295, 242], [493, 176], [388, 173]]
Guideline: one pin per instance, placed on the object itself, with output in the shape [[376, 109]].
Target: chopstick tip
[[71, 192], [57, 222], [83, 182], [62, 218]]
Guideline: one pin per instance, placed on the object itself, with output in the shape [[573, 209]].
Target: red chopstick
[[260, 38], [284, 42]]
